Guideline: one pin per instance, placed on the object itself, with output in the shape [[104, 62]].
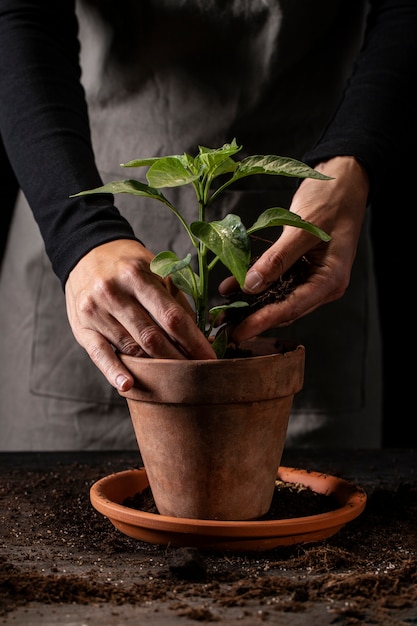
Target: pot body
[[211, 433]]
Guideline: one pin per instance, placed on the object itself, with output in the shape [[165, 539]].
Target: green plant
[[226, 240]]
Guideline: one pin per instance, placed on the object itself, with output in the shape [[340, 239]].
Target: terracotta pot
[[211, 433]]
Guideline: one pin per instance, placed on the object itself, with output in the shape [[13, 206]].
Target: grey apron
[[147, 97]]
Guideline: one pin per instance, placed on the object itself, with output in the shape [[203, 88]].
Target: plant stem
[[201, 306]]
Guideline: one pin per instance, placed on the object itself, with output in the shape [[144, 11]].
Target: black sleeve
[[375, 115], [9, 190], [45, 129]]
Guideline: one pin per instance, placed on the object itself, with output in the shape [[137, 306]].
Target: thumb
[[254, 281]]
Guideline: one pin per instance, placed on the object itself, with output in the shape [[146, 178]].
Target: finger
[[103, 356], [180, 297], [135, 328], [118, 316], [180, 329], [134, 333], [228, 285], [279, 258]]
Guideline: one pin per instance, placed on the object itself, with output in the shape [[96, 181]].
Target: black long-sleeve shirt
[[45, 129], [44, 124]]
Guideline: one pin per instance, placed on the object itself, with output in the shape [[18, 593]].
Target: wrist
[[347, 168]]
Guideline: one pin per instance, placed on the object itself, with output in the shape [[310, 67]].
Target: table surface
[[48, 538]]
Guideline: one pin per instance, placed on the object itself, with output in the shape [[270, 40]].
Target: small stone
[[188, 564]]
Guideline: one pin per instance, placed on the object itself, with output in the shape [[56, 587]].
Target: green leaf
[[217, 162], [276, 165], [219, 344], [229, 241], [190, 163], [222, 307], [146, 162], [222, 167], [170, 172], [168, 264], [276, 216], [167, 171], [132, 187], [227, 150], [216, 310], [165, 263]]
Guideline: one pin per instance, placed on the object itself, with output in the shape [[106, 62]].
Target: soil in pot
[[290, 500]]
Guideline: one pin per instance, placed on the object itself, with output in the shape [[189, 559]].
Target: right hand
[[338, 206], [114, 301]]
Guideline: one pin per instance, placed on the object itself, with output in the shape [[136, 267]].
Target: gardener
[[300, 80]]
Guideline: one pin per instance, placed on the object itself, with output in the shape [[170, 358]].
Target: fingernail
[[120, 381], [253, 281]]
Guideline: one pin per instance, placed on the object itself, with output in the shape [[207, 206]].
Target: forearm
[[45, 128]]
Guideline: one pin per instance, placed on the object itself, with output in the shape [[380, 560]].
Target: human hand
[[338, 207], [114, 301]]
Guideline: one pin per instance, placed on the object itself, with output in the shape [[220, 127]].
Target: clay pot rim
[[351, 497], [162, 380], [293, 348]]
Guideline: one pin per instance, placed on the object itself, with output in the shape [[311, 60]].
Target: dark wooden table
[[64, 563]]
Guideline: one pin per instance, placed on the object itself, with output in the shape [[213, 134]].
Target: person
[[85, 86]]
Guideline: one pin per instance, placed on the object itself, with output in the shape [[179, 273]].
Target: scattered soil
[[56, 549]]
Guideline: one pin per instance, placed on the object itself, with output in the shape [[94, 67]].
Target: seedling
[[226, 241]]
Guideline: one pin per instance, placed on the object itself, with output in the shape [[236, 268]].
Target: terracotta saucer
[[108, 493]]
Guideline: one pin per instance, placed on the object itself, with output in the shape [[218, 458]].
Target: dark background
[[394, 238]]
